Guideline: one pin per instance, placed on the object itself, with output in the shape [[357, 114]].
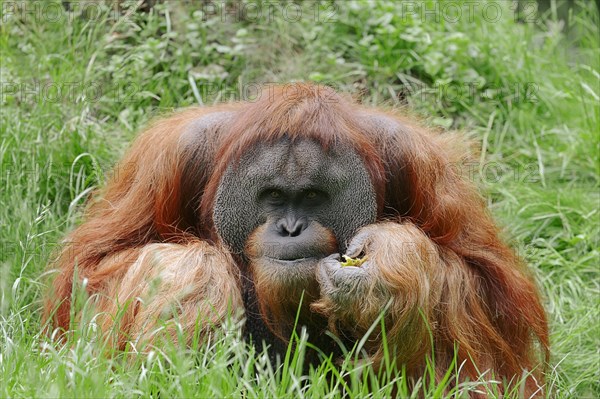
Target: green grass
[[533, 107]]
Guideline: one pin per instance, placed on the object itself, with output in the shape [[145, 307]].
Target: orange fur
[[436, 250]]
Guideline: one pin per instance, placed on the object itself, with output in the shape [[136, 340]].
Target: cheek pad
[[353, 207], [236, 213]]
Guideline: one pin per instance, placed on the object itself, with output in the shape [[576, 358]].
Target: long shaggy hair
[[456, 287]]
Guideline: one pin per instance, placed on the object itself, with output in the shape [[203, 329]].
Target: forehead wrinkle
[[294, 165], [293, 162], [299, 163]]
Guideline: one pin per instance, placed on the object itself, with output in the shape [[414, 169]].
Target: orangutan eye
[[311, 195]]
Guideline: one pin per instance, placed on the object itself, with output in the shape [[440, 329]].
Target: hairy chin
[[283, 288]]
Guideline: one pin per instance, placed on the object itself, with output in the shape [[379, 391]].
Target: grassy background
[[77, 85]]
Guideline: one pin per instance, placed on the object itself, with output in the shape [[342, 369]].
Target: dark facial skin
[[296, 200]]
